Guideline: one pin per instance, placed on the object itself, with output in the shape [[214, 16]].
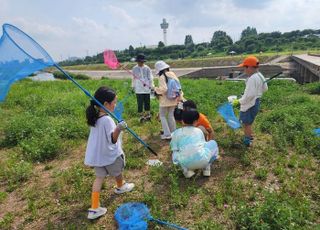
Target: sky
[[69, 28]]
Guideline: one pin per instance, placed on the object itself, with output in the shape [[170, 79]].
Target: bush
[[41, 148], [60, 75], [312, 88], [21, 127]]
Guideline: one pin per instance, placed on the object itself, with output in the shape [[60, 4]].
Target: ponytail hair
[[103, 94]]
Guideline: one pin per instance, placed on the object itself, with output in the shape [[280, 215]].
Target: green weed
[[261, 174], [6, 221], [3, 196], [15, 172], [276, 212]]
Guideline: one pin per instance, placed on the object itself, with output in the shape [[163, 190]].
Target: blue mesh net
[[132, 216], [20, 56], [317, 132], [118, 110], [226, 111]]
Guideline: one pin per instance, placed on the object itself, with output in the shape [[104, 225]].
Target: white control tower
[[164, 25]]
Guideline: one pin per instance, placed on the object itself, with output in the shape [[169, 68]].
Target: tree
[[131, 51], [220, 40], [248, 32], [160, 44], [188, 41]]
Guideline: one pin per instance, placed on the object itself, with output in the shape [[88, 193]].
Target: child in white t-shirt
[[142, 85], [104, 151]]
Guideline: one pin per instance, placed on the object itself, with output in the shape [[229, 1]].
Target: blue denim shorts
[[248, 116]]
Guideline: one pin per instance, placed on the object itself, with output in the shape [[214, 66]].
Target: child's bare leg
[[97, 184], [248, 130], [119, 180], [248, 135]]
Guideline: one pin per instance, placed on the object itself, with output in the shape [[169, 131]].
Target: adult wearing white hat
[[167, 103]]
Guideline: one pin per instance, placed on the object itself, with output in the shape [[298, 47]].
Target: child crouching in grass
[[189, 147], [202, 123]]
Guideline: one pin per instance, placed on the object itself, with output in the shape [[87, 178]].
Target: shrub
[[21, 127], [41, 148], [60, 75], [312, 88]]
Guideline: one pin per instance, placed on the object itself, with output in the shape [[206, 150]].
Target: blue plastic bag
[[226, 111]]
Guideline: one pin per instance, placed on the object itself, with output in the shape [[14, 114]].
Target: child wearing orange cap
[[256, 85]]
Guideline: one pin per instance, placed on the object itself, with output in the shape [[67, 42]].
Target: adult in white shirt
[[256, 85]]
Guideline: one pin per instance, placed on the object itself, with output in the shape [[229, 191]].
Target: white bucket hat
[[160, 65]]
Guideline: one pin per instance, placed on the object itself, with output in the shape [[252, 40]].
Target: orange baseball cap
[[250, 61]]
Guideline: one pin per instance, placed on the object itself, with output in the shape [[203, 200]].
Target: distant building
[[164, 26], [73, 58], [152, 47]]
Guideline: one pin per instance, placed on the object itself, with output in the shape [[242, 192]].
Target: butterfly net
[[110, 59], [132, 216], [20, 56]]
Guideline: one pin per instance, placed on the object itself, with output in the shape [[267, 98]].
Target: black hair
[[140, 58], [103, 94], [190, 116], [177, 114], [164, 73], [189, 104]]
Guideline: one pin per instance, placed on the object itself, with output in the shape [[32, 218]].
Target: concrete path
[[309, 58]]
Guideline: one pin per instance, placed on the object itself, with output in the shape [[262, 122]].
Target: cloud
[[118, 24], [251, 4], [119, 15]]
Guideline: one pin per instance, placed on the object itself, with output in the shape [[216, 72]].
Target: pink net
[[110, 59]]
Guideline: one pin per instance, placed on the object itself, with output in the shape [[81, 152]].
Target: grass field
[[272, 185]]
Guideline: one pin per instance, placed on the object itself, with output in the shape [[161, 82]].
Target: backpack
[[174, 88]]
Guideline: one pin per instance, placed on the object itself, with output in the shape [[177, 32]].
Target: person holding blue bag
[[190, 149], [170, 94], [256, 85]]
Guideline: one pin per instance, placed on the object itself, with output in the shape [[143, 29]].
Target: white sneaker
[[164, 137], [188, 173], [126, 187], [207, 171], [95, 213]]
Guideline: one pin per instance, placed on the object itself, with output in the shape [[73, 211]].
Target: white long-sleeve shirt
[[255, 86], [142, 79]]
